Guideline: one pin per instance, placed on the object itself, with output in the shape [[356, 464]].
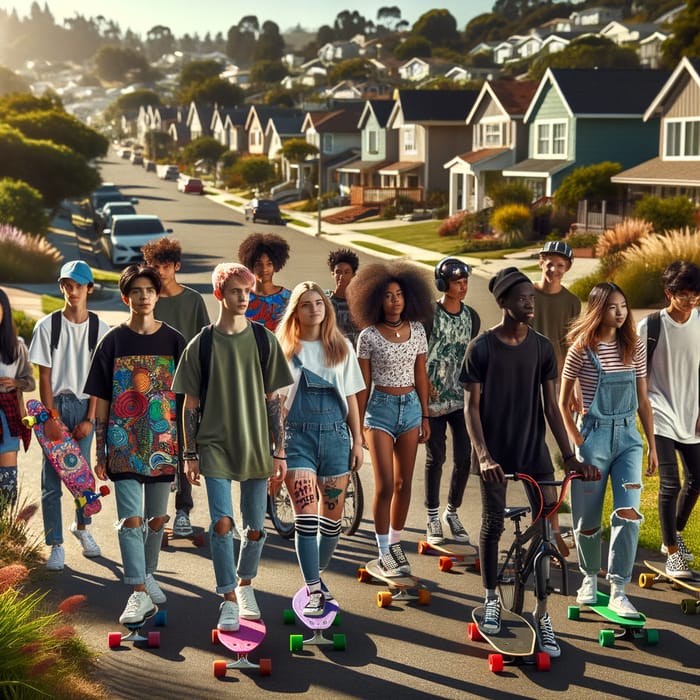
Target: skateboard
[[451, 554], [401, 588], [115, 639], [67, 459], [689, 606], [514, 643], [247, 638], [197, 537], [628, 626], [331, 616]]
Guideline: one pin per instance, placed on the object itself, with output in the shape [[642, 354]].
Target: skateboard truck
[[115, 639]]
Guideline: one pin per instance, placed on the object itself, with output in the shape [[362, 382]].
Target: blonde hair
[[288, 332]]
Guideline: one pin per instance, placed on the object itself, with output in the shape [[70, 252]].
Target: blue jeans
[[393, 414], [140, 546], [253, 505], [72, 411]]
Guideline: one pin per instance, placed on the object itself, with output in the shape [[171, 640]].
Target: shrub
[[513, 221], [24, 325], [476, 224], [441, 212], [474, 245], [587, 182], [666, 214], [582, 240], [436, 198], [27, 258], [621, 236], [515, 192], [452, 224], [22, 206], [582, 286]]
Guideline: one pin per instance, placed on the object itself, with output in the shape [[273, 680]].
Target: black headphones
[[449, 269]]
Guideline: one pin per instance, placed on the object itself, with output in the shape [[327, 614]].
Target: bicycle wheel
[[354, 505], [281, 512], [510, 584]]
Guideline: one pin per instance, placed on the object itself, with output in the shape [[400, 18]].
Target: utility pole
[[320, 183]]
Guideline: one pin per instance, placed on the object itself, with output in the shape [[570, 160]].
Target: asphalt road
[[405, 651]]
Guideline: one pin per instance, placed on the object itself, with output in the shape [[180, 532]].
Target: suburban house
[[586, 116], [499, 139], [430, 123], [256, 123], [675, 168], [199, 120], [228, 128], [280, 129], [596, 15], [379, 146], [418, 70]]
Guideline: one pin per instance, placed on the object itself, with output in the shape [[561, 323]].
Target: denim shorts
[[393, 414], [323, 448], [8, 443]]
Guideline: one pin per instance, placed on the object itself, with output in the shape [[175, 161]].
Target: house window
[[328, 143], [372, 142], [409, 139], [682, 138], [551, 139], [492, 135]]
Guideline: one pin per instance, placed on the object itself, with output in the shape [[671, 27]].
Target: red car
[[190, 185]]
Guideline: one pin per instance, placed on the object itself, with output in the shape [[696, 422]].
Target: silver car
[[122, 242]]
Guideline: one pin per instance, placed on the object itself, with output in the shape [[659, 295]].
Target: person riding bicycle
[[507, 370]]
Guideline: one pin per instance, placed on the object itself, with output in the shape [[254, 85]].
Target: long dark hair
[[8, 334]]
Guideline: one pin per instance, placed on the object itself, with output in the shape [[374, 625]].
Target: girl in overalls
[[324, 438], [608, 359]]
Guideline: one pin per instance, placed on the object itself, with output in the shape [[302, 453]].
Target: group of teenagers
[[292, 385]]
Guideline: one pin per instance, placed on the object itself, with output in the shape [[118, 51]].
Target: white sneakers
[[228, 617], [154, 591], [619, 603], [588, 593], [90, 548], [138, 608], [248, 606], [57, 558]]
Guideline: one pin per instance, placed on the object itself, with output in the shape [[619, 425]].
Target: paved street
[[405, 651]]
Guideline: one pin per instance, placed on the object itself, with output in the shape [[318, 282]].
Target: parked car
[[263, 209], [137, 158], [122, 242], [190, 185], [112, 209], [125, 153], [168, 172]]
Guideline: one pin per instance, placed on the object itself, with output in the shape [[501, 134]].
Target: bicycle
[[532, 551], [281, 511]]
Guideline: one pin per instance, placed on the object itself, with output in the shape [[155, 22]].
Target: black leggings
[[676, 503]]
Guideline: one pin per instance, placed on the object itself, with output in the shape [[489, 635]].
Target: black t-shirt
[[511, 407]]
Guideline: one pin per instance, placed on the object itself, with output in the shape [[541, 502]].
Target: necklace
[[395, 325]]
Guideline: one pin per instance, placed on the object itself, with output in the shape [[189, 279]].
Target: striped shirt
[[579, 366]]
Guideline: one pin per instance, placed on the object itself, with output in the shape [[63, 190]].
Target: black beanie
[[500, 283]]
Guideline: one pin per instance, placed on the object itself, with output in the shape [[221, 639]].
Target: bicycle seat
[[517, 512]]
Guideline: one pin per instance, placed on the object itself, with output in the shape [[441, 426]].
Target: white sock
[[394, 535], [382, 543]]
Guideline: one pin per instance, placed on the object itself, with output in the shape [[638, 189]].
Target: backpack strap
[[653, 333], [263, 343], [55, 329], [93, 330], [476, 322]]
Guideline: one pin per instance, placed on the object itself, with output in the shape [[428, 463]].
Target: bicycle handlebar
[[518, 476]]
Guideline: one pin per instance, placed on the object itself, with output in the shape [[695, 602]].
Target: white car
[[122, 242]]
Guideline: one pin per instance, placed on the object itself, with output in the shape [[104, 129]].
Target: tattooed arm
[[101, 418], [190, 422], [275, 419]]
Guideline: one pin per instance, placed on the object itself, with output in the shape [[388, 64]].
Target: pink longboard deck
[[66, 458], [301, 597], [248, 637]]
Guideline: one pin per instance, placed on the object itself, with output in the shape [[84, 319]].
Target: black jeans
[[183, 495], [676, 503], [436, 453]]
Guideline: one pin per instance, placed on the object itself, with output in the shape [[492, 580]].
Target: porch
[[367, 196]]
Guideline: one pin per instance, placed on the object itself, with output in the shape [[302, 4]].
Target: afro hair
[[270, 244]]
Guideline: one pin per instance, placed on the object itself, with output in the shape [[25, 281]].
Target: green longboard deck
[[601, 607]]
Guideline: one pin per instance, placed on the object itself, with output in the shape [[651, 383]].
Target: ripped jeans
[[140, 546]]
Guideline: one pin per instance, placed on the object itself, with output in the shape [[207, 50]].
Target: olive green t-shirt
[[553, 316], [233, 439], [186, 312]]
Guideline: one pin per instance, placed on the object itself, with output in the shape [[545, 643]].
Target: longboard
[[689, 606], [330, 617], [514, 642], [451, 554], [197, 537], [242, 642], [67, 459], [115, 639], [401, 588], [628, 626]]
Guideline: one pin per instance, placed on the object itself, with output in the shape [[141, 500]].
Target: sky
[[202, 16]]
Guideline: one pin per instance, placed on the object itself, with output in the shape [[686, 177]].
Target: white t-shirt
[[346, 377], [673, 379], [70, 361]]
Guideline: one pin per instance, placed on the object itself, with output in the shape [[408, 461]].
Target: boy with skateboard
[[453, 326], [184, 309], [508, 372], [62, 346], [230, 374], [136, 432], [672, 338]]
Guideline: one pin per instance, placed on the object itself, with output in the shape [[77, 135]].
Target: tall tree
[[159, 41], [439, 27], [347, 24], [685, 35], [270, 45]]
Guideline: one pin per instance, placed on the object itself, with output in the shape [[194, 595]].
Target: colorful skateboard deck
[[451, 554], [689, 606], [401, 588], [628, 626], [515, 641], [160, 617], [67, 459], [246, 639], [331, 616]]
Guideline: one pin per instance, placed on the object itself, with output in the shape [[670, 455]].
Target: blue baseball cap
[[78, 271]]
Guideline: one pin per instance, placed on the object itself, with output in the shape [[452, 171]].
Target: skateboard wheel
[[473, 633], [444, 563], [384, 599], [652, 637], [495, 663], [339, 642], [161, 618], [543, 662], [215, 637], [363, 575], [114, 640], [336, 620], [422, 548], [154, 640], [265, 667], [606, 638], [424, 596], [219, 669], [688, 606], [296, 642], [198, 539], [646, 580], [573, 612], [288, 616]]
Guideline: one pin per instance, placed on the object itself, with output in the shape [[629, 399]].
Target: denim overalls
[[612, 444]]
